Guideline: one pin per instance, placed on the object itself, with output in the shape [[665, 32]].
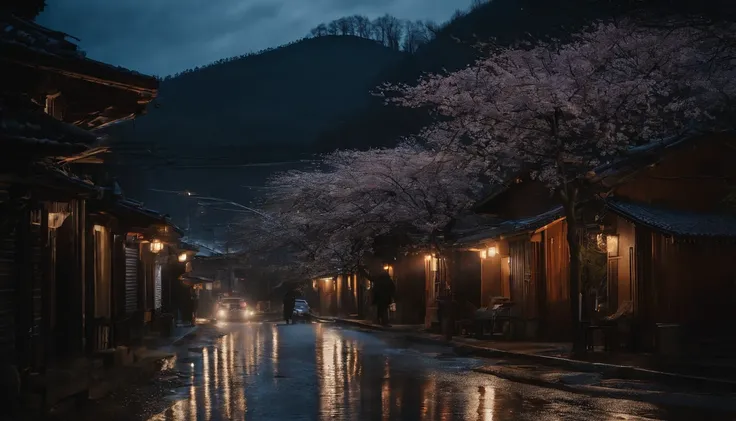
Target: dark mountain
[[314, 96], [503, 22], [209, 124]]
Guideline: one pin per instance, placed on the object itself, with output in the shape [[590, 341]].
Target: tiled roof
[[19, 33], [676, 222], [510, 227], [23, 121], [135, 206]]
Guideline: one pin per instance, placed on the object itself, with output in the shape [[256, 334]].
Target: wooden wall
[[465, 268], [688, 282], [696, 176], [491, 285], [409, 277], [521, 200], [557, 317]]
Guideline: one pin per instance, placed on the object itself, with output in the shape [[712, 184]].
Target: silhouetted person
[[289, 304], [195, 305], [383, 296]]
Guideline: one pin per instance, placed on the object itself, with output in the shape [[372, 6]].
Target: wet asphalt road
[[266, 371]]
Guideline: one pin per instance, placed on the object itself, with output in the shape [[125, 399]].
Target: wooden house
[[134, 254], [669, 231], [58, 250], [43, 66], [407, 271], [326, 287], [523, 257], [662, 231]]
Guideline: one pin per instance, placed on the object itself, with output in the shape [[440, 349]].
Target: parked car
[[302, 312], [232, 308]]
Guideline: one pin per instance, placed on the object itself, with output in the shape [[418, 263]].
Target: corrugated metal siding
[[8, 285], [131, 280]]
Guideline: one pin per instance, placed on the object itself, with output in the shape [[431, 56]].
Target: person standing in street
[[195, 305], [289, 304], [383, 296]]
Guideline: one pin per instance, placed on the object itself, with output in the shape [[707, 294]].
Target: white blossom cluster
[[556, 109], [330, 217], [561, 108]]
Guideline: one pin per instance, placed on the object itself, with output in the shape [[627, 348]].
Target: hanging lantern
[[156, 246]]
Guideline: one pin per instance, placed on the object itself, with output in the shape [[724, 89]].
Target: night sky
[[166, 36]]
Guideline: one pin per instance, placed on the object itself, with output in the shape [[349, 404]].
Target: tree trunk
[[573, 243]]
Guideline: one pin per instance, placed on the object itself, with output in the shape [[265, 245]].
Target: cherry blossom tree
[[330, 217], [558, 109]]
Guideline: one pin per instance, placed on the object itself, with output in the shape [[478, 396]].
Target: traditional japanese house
[[50, 96], [326, 286], [42, 268], [669, 231], [134, 250], [43, 66], [523, 258], [409, 276]]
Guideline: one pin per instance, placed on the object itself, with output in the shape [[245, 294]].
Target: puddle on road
[[324, 373]]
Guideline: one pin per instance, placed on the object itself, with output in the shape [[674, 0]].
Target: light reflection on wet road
[[317, 372]]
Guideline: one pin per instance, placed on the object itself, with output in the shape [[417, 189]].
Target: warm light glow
[[98, 228], [612, 245], [428, 257], [56, 219], [183, 257], [482, 254], [156, 246], [435, 264], [492, 251], [327, 279], [600, 243], [386, 267]]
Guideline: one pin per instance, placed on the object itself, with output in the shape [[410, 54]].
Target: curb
[[612, 370], [719, 402], [362, 325]]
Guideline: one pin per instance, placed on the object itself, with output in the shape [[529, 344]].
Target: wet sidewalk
[[550, 364], [66, 385]]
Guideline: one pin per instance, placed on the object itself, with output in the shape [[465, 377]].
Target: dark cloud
[[165, 36]]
